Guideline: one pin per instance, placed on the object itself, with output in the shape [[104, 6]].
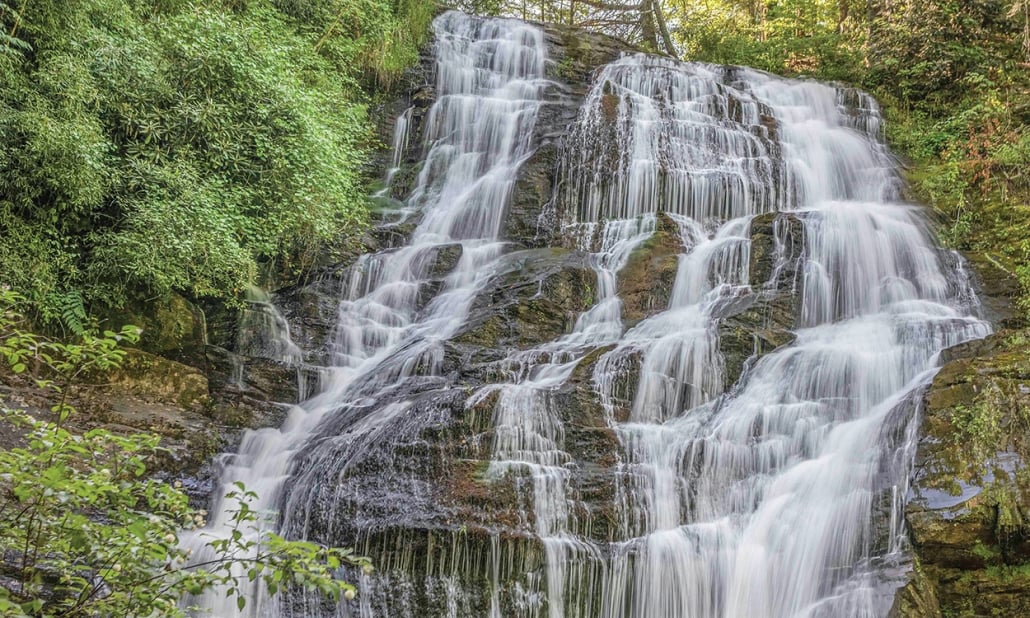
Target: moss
[[991, 223], [975, 446], [978, 427], [918, 598], [156, 379], [646, 281], [988, 553]]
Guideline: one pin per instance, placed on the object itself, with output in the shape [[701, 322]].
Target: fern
[[13, 46], [72, 312]]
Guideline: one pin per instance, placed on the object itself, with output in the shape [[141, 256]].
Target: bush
[[151, 146], [85, 532]]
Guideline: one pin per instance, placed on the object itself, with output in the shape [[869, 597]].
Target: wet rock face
[[645, 282], [998, 290], [573, 56], [534, 296], [969, 508], [763, 321]]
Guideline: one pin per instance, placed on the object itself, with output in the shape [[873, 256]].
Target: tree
[[641, 22]]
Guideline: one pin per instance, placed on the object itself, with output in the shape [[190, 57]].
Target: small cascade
[[401, 137], [264, 332]]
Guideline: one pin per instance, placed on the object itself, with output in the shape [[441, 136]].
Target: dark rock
[[443, 260], [752, 326], [535, 296], [247, 392], [746, 337], [394, 228], [777, 245], [172, 327], [998, 291], [525, 222], [575, 54], [918, 598]]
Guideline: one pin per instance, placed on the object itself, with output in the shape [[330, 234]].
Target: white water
[[529, 434], [477, 133], [758, 500]]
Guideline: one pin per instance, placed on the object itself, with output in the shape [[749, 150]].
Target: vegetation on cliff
[[150, 146], [86, 531]]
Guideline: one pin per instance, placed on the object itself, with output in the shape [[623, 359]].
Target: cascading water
[[759, 501], [769, 489], [476, 135]]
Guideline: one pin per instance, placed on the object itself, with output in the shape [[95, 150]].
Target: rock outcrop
[[969, 509]]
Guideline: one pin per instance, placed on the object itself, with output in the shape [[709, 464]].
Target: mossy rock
[[477, 499], [525, 221], [155, 379], [777, 243], [999, 290], [534, 297], [645, 283], [994, 591], [746, 337], [918, 598], [171, 326], [576, 53], [969, 511]]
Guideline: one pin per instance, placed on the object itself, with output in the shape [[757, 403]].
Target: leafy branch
[[86, 532]]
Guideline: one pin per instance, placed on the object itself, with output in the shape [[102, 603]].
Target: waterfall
[[758, 501], [769, 488], [478, 131]]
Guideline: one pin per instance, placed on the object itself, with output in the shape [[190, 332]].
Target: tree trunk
[[647, 30], [663, 29]]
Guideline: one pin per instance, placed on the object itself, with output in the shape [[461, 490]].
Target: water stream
[[774, 494]]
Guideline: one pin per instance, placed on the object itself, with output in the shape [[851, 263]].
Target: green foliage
[[148, 145], [11, 46], [793, 38], [381, 38], [86, 533], [980, 427], [986, 426]]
